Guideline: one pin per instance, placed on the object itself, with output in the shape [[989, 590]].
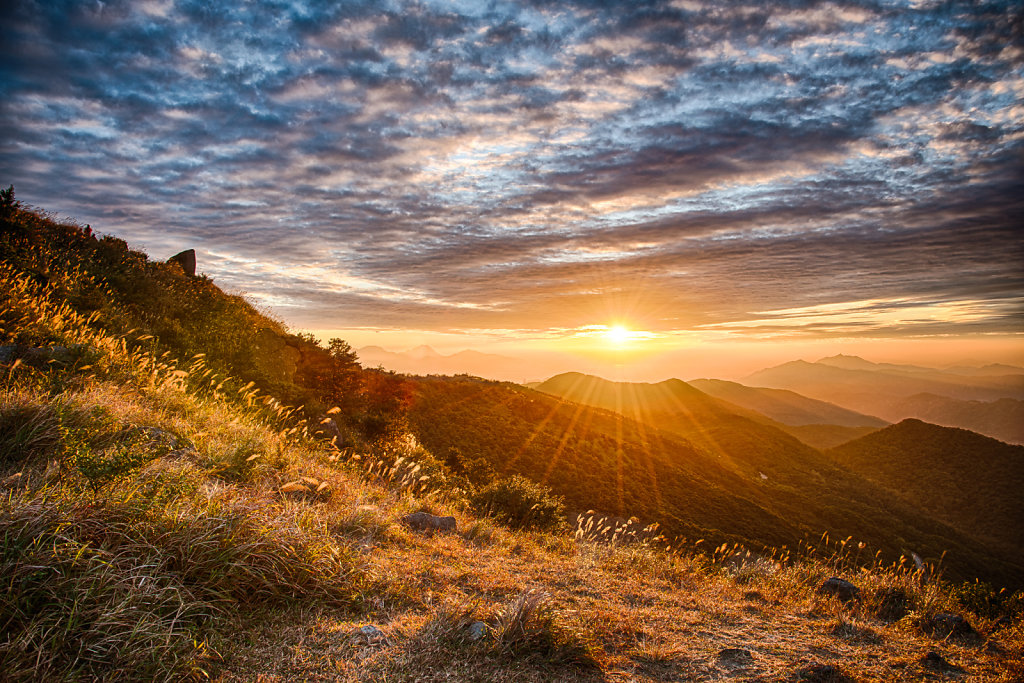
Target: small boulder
[[822, 673], [841, 588], [187, 260], [936, 662], [327, 429], [950, 626], [368, 635], [734, 657], [160, 440], [891, 603], [424, 521], [477, 630]]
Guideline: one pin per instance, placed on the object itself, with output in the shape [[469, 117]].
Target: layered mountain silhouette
[[972, 398], [701, 466], [816, 423]]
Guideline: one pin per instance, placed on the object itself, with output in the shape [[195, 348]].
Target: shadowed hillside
[[970, 481]]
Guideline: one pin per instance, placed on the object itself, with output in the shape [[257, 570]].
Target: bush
[[520, 503]]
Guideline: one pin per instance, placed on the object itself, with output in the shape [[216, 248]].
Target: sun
[[618, 335]]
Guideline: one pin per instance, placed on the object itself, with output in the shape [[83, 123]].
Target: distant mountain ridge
[[425, 360], [787, 407], [894, 392]]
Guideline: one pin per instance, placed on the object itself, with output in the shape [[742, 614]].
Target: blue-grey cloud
[[507, 165]]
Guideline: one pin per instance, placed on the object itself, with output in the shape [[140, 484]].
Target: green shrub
[[520, 503], [985, 601]]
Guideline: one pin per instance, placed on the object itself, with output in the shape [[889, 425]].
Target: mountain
[[1001, 419], [971, 482], [882, 389], [787, 407], [769, 468]]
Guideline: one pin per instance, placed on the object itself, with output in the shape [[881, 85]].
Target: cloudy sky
[[479, 171]]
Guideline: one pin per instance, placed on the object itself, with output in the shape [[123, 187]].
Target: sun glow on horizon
[[618, 335]]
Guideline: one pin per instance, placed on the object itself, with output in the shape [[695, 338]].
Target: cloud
[[531, 166]]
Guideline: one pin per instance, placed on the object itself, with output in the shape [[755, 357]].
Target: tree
[[342, 352], [7, 202]]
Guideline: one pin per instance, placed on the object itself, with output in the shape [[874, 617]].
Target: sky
[[718, 179]]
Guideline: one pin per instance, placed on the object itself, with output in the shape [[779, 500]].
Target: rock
[[950, 626], [841, 588], [1002, 622], [822, 673], [369, 635], [187, 260], [735, 657], [891, 604], [477, 630], [43, 356], [424, 521], [327, 429], [933, 660]]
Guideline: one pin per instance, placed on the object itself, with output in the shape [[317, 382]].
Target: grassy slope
[[131, 553]]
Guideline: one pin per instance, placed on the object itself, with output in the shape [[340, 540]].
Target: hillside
[[162, 518], [772, 470], [787, 407], [1001, 419], [970, 481], [816, 423]]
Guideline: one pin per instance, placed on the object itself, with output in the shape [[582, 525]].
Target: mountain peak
[[850, 362], [422, 352]]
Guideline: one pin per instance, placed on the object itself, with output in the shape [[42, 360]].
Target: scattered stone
[[369, 635], [327, 429], [187, 260], [891, 604], [754, 596], [950, 626], [424, 521], [1002, 622], [933, 660], [42, 356], [841, 588], [477, 630], [822, 673], [8, 352], [735, 657]]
